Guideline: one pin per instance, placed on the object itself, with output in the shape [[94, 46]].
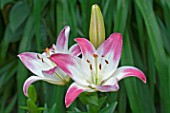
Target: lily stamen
[[42, 60], [95, 55], [88, 61], [64, 80], [106, 62], [100, 66], [96, 66], [91, 68], [38, 56]]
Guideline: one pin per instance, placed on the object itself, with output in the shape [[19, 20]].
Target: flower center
[[60, 77], [96, 79]]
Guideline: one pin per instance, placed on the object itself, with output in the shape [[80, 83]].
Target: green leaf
[[32, 93], [24, 107], [7, 71], [4, 2], [11, 36], [22, 72], [101, 101], [89, 98], [4, 50], [109, 109], [159, 53], [75, 112], [122, 106], [18, 14], [11, 105], [37, 18], [40, 109], [32, 108], [120, 17], [134, 87]]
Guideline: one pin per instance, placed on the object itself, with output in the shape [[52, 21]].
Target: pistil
[[96, 67]]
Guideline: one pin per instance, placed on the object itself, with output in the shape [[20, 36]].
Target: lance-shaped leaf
[[97, 30]]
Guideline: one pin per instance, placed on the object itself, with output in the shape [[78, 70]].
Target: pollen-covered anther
[[88, 61], [102, 55], [42, 60], [38, 56], [106, 62], [91, 67], [46, 49], [95, 55], [100, 66]]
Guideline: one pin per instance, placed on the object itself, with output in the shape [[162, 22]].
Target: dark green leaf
[[18, 14], [11, 36], [75, 112], [89, 98], [4, 2], [109, 109]]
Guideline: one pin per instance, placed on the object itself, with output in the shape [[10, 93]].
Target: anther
[[91, 67], [102, 55], [95, 55], [53, 51], [46, 49], [100, 66], [42, 60], [38, 56], [106, 62], [88, 61]]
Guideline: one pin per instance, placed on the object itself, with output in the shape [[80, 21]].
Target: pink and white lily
[[97, 70], [43, 67]]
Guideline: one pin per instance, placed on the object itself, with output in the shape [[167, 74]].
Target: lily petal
[[110, 51], [56, 74], [73, 66], [29, 81], [62, 41], [86, 47], [50, 71], [75, 50], [33, 79], [112, 45], [127, 71], [35, 62], [73, 92], [108, 88]]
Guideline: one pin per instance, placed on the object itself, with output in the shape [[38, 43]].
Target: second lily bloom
[[43, 67], [97, 69]]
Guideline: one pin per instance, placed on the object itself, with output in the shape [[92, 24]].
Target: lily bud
[[97, 30]]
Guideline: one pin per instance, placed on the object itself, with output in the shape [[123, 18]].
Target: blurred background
[[33, 25]]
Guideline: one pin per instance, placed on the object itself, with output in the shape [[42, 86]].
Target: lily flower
[[97, 70], [43, 67]]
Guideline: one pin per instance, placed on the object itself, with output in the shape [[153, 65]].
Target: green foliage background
[[32, 25]]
